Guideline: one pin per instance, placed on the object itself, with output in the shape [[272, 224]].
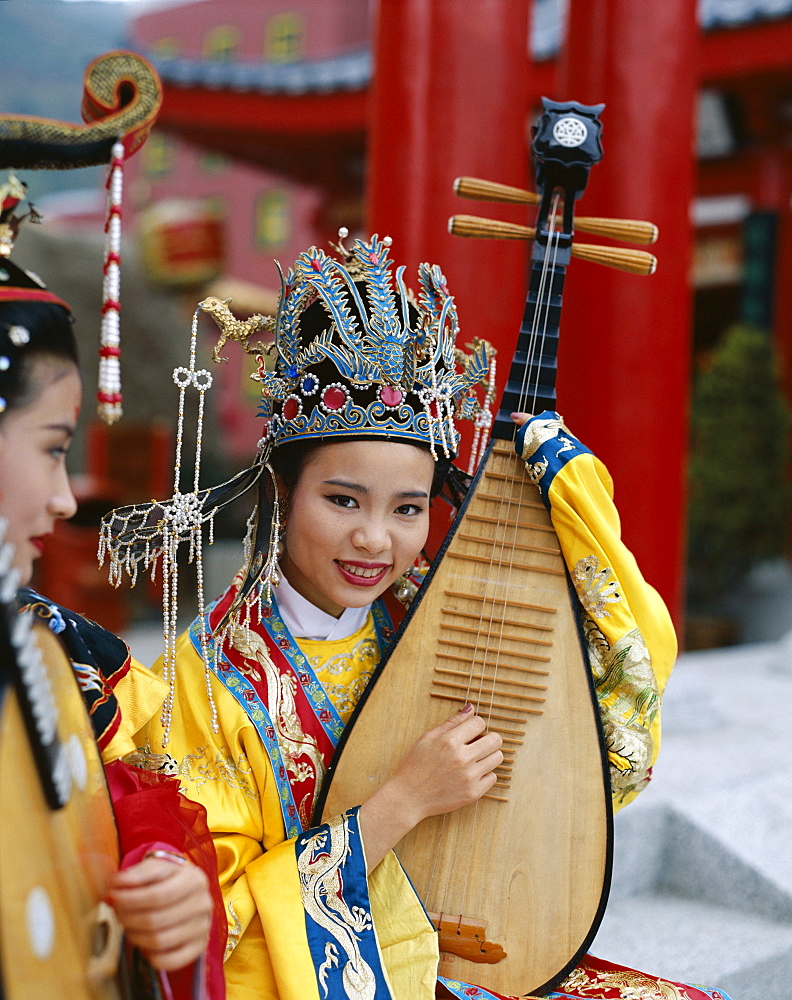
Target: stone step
[[746, 955], [733, 853], [704, 894]]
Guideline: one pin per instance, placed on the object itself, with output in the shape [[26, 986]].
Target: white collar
[[305, 621]]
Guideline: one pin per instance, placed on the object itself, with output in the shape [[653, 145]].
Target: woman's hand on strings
[[449, 767], [165, 910]]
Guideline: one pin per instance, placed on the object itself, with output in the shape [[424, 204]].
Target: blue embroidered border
[[458, 989], [250, 702], [321, 704], [557, 451], [348, 919], [314, 692]]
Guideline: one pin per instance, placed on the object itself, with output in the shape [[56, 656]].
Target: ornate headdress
[[18, 285], [357, 357], [353, 357]]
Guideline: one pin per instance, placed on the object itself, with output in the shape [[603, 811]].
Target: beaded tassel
[[483, 422], [183, 516], [109, 390], [269, 575]]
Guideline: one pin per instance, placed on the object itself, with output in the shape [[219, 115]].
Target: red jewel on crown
[[291, 408], [390, 396], [335, 397]]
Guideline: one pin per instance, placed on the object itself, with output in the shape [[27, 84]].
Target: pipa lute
[[517, 882]]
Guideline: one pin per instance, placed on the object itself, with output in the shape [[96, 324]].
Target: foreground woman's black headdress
[[121, 100]]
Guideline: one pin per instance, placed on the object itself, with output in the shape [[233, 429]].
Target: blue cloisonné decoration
[[309, 385], [373, 339]]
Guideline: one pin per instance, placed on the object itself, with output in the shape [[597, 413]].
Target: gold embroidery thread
[[281, 689], [319, 865], [595, 587], [358, 664], [198, 768], [147, 760], [629, 701], [632, 985], [234, 929]]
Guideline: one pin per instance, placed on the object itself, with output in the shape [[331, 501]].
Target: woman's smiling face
[[357, 519]]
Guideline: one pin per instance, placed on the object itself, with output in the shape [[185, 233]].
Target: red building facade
[[287, 90]]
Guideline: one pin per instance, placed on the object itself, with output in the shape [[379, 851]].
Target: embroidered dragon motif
[[320, 863], [281, 689], [629, 700], [631, 985]]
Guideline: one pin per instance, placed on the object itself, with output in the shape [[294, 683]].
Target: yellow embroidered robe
[[274, 910]]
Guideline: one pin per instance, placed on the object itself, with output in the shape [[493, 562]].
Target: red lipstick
[[363, 581]]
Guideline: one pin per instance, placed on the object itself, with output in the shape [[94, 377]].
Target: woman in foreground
[[161, 897], [359, 439]]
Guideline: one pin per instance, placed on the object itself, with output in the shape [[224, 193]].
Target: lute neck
[[566, 143], [531, 385]]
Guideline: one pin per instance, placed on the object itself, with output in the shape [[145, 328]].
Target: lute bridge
[[466, 937]]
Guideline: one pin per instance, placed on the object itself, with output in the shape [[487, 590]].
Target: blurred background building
[[285, 119]]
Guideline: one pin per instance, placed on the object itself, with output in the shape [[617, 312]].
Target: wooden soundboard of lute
[[527, 868]]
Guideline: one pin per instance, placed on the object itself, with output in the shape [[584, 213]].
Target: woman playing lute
[[360, 431]]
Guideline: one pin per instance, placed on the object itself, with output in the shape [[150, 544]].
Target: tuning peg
[[629, 230], [481, 190], [634, 261], [493, 229]]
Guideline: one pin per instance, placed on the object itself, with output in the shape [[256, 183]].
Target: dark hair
[[289, 461], [51, 335]]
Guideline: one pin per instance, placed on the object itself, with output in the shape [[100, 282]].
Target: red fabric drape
[[152, 814]]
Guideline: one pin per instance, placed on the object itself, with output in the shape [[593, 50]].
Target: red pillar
[[448, 99], [625, 344]]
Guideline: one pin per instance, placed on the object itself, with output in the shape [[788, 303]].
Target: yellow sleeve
[[228, 773], [269, 956], [629, 633], [140, 694]]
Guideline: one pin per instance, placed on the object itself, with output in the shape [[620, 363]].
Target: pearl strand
[[483, 422], [185, 516]]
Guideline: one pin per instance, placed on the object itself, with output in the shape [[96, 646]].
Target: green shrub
[[739, 495]]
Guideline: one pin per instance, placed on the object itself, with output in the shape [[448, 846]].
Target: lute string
[[506, 539], [489, 652]]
